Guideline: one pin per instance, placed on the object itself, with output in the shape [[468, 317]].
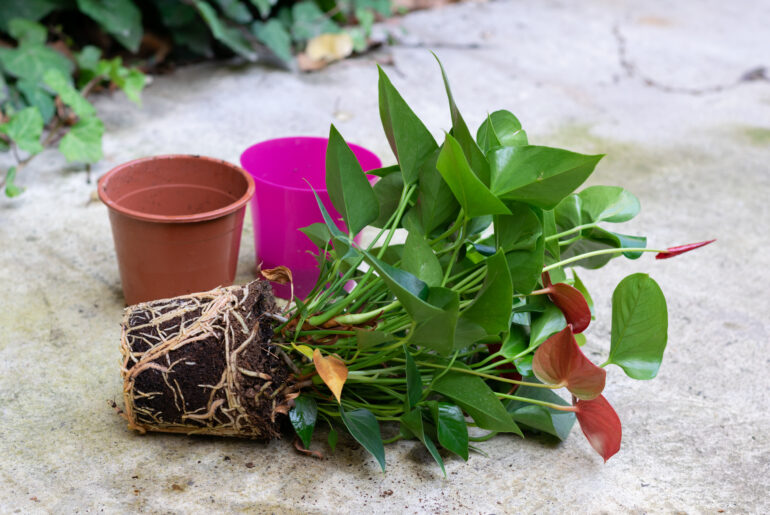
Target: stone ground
[[661, 87]]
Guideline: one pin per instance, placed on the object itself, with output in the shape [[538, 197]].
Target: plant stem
[[598, 253], [558, 407], [577, 228]]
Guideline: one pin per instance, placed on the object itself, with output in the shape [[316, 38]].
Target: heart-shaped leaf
[[501, 129], [639, 326], [332, 371], [363, 426], [451, 428], [601, 425], [473, 395], [413, 422], [349, 189], [303, 417], [608, 204], [559, 361], [420, 260], [549, 322], [547, 420], [24, 128], [520, 236], [474, 197], [388, 192], [491, 309], [541, 176], [410, 140]]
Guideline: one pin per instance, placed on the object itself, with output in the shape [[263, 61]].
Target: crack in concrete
[[759, 73]]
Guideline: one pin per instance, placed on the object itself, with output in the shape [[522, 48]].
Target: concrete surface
[[655, 85]]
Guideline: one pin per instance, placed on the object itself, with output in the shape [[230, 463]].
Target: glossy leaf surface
[[303, 418], [548, 420], [600, 425], [413, 422], [363, 426]]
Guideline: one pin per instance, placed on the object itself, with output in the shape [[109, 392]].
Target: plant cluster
[[478, 317]]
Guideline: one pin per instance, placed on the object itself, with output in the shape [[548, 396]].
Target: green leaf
[[121, 18], [83, 142], [520, 236], [567, 213], [541, 176], [131, 81], [342, 244], [37, 97], [549, 322], [539, 418], [60, 84], [363, 426], [263, 6], [596, 238], [27, 31], [332, 439], [318, 233], [388, 192], [411, 142], [420, 260], [451, 428], [11, 190], [436, 204], [549, 229], [309, 21], [473, 395], [608, 204], [436, 331], [275, 36], [413, 381], [235, 10], [474, 197], [349, 189], [228, 36], [582, 289], [26, 9], [501, 129], [31, 62], [24, 128], [491, 309], [639, 326], [408, 289], [413, 422], [366, 338], [303, 417], [476, 159]]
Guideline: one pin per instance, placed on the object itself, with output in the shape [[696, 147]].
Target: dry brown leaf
[[332, 370], [279, 274], [329, 47], [306, 64]]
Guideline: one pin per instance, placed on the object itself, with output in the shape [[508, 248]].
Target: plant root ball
[[204, 364]]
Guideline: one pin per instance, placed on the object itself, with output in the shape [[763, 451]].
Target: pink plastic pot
[[284, 202], [176, 221]]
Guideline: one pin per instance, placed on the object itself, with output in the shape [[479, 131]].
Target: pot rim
[[196, 217], [305, 189]]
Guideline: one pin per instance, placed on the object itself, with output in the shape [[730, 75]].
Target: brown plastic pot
[[176, 221]]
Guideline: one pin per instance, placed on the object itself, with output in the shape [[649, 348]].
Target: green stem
[[577, 228], [359, 318], [551, 405], [598, 253], [456, 225], [483, 438], [480, 374]]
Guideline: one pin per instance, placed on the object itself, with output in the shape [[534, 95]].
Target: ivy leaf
[[349, 189], [474, 197], [474, 396], [639, 326], [500, 129], [228, 36], [60, 84], [491, 309], [121, 18], [413, 381], [541, 176], [24, 128], [411, 142], [420, 260], [303, 418], [608, 204], [83, 142], [27, 31], [363, 426], [474, 155], [11, 190], [547, 420], [413, 422], [25, 9], [31, 62], [37, 97], [332, 370], [274, 35], [451, 429]]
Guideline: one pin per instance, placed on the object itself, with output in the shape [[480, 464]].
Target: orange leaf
[[332, 370]]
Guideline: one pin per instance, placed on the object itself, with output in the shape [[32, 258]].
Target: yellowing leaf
[[329, 47], [304, 350], [332, 370]]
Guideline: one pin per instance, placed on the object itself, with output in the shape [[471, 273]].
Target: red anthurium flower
[[560, 361], [570, 301], [600, 424], [675, 251]]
